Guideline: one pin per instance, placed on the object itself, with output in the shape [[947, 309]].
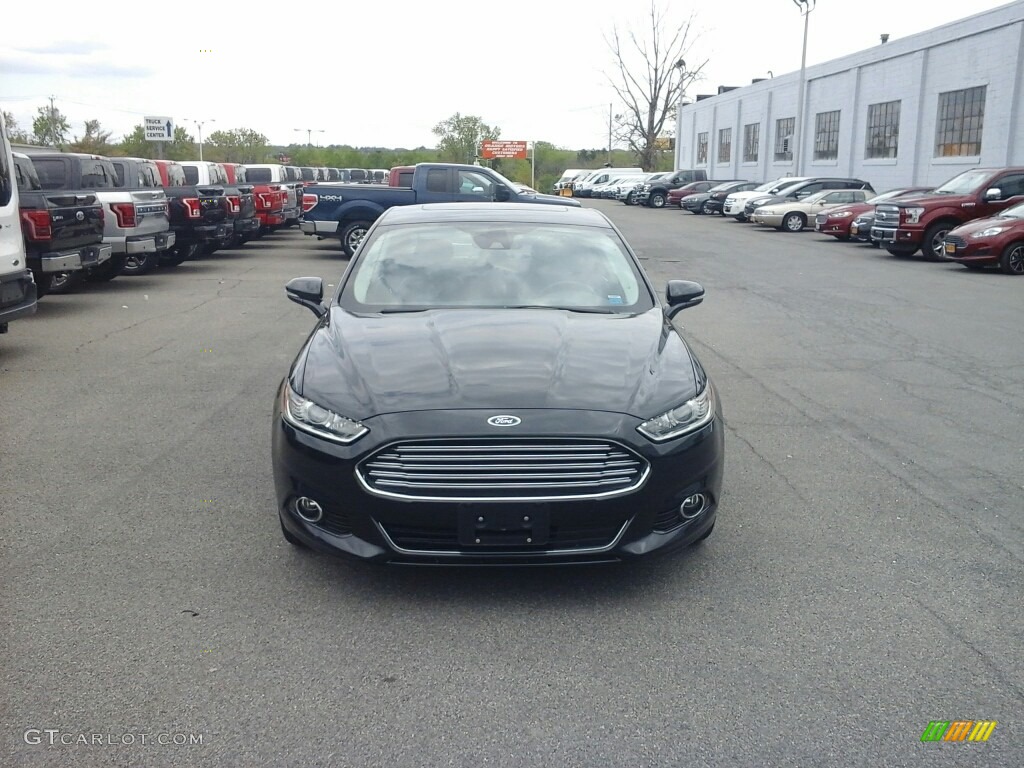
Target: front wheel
[[657, 200], [794, 222], [352, 235], [934, 245], [707, 209], [1012, 260]]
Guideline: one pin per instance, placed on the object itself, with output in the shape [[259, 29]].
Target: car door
[[473, 187], [1011, 188]]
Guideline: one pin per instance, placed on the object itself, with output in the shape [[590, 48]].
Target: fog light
[[308, 509], [693, 506]]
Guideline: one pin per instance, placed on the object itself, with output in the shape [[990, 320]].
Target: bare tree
[[651, 72]]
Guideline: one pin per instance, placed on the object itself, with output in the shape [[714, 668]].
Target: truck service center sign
[[494, 148]]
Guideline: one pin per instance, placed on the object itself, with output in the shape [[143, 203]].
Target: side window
[[94, 175], [191, 174], [471, 183], [437, 180], [810, 189], [405, 178], [19, 175], [1011, 185], [118, 174]]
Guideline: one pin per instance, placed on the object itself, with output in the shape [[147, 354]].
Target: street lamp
[[309, 134], [199, 126], [805, 7]]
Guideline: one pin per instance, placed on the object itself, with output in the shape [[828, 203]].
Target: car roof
[[497, 212]]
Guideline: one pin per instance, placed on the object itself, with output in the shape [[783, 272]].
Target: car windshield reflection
[[517, 265]]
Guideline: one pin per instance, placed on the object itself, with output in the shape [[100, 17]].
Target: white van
[[567, 178], [603, 176], [17, 287]]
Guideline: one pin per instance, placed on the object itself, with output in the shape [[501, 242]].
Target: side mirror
[[309, 292], [682, 294], [478, 189], [502, 193], [994, 194]]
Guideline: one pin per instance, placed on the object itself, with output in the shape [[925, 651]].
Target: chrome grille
[[482, 470], [821, 218], [887, 215], [956, 240]]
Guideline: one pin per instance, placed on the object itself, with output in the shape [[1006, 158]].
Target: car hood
[[369, 365], [980, 225], [854, 209], [944, 200]]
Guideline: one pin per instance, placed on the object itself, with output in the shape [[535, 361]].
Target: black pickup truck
[[654, 194], [346, 211], [63, 231], [198, 213]]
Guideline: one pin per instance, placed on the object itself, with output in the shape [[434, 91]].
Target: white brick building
[[914, 111]]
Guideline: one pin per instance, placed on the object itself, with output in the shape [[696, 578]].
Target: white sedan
[[793, 215]]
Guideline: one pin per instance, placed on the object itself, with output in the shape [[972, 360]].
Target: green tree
[[15, 134], [50, 128], [459, 137], [238, 145], [135, 145], [649, 77], [94, 140]]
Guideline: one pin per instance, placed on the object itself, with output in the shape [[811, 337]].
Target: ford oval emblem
[[504, 421], [80, 216]]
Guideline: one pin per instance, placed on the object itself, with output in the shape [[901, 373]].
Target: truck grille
[[887, 216], [482, 470]]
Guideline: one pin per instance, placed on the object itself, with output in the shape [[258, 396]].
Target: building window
[[826, 136], [751, 139], [958, 129], [725, 145], [883, 130], [702, 149], [784, 138]]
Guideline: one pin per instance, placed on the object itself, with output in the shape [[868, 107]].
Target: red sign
[[495, 148]]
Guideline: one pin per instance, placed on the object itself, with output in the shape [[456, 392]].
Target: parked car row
[[976, 218]]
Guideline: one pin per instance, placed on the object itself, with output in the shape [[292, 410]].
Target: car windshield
[[768, 186], [415, 267], [723, 187], [964, 184], [817, 197], [1017, 212]]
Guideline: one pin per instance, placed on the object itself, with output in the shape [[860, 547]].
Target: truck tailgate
[[76, 219], [150, 211]]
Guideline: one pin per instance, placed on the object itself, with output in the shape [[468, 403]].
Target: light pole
[[309, 134], [681, 67], [805, 7], [199, 126]]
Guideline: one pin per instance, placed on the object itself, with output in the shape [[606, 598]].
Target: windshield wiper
[[586, 310], [403, 310]]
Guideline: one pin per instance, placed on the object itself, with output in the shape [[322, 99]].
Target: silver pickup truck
[[135, 221]]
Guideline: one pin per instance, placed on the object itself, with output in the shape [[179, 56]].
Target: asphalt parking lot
[[864, 577]]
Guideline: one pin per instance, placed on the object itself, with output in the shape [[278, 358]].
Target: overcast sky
[[384, 73]]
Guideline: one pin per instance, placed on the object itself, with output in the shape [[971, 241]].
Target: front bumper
[[365, 524], [902, 239], [983, 252], [836, 228], [767, 220], [18, 296]]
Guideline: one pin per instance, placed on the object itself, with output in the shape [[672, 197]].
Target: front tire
[[706, 209], [793, 222], [933, 246], [352, 235], [1012, 260], [656, 200]]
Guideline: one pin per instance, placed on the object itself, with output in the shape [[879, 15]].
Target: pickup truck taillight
[[309, 202], [193, 208], [235, 203], [125, 213], [37, 225]]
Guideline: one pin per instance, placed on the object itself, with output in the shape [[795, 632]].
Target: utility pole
[[805, 7], [199, 126], [609, 135], [309, 134]]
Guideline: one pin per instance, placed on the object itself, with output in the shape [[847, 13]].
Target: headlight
[[309, 417], [840, 215], [990, 232], [686, 418], [913, 214]]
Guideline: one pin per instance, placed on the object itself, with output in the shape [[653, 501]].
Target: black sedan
[[496, 384], [711, 202]]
